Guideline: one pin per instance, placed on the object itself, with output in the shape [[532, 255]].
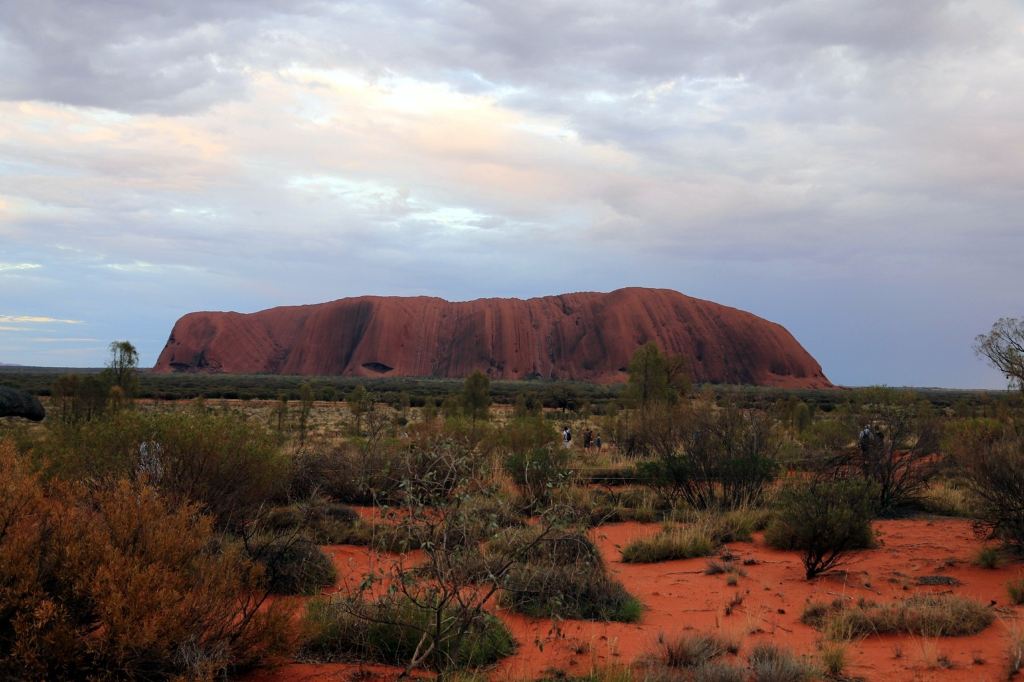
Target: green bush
[[988, 557], [901, 457], [715, 459], [580, 505], [230, 465], [562, 576], [324, 522], [678, 542], [991, 456], [825, 519], [537, 471], [572, 592], [1015, 588], [389, 631], [294, 565], [345, 473]]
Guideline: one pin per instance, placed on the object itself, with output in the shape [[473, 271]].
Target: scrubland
[[705, 540]]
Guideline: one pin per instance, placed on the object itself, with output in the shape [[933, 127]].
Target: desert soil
[[678, 598]]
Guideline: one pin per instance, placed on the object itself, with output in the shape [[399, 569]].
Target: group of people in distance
[[589, 439]]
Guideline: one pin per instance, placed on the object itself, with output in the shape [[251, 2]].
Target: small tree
[[404, 403], [306, 398], [1003, 347], [476, 397], [656, 378], [281, 413], [899, 454], [709, 457], [359, 403], [124, 360], [825, 519], [451, 407], [429, 409], [991, 457], [80, 398], [520, 409], [563, 395]]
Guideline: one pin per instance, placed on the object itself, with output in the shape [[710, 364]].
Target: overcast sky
[[851, 170]]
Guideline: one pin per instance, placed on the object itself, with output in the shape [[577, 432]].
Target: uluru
[[579, 336]]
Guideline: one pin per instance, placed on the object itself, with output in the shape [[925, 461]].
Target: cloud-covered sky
[[852, 170]]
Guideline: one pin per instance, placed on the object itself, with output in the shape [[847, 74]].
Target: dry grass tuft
[[924, 615]]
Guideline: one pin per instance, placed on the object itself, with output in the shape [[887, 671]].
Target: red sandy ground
[[678, 597]]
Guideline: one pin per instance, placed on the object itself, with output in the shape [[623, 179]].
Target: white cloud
[[14, 267], [34, 319]]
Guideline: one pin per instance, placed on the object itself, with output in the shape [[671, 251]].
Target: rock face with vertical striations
[[581, 336]]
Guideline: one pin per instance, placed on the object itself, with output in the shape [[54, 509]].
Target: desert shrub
[[609, 475], [900, 456], [948, 498], [1015, 588], [816, 613], [769, 663], [333, 513], [381, 471], [537, 471], [740, 524], [435, 466], [825, 519], [487, 512], [579, 505], [562, 576], [725, 566], [988, 557], [231, 466], [323, 521], [991, 457], [718, 671], [443, 596], [285, 518], [608, 673], [828, 435], [294, 565], [673, 542], [690, 651], [342, 472], [703, 533], [833, 659], [79, 398], [119, 578], [392, 631], [572, 592], [467, 519], [722, 459], [526, 433], [924, 615]]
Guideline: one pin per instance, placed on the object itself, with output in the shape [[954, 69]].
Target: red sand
[[678, 597], [582, 336]]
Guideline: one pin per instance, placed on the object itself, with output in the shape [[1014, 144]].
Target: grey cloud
[[145, 55], [161, 56]]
